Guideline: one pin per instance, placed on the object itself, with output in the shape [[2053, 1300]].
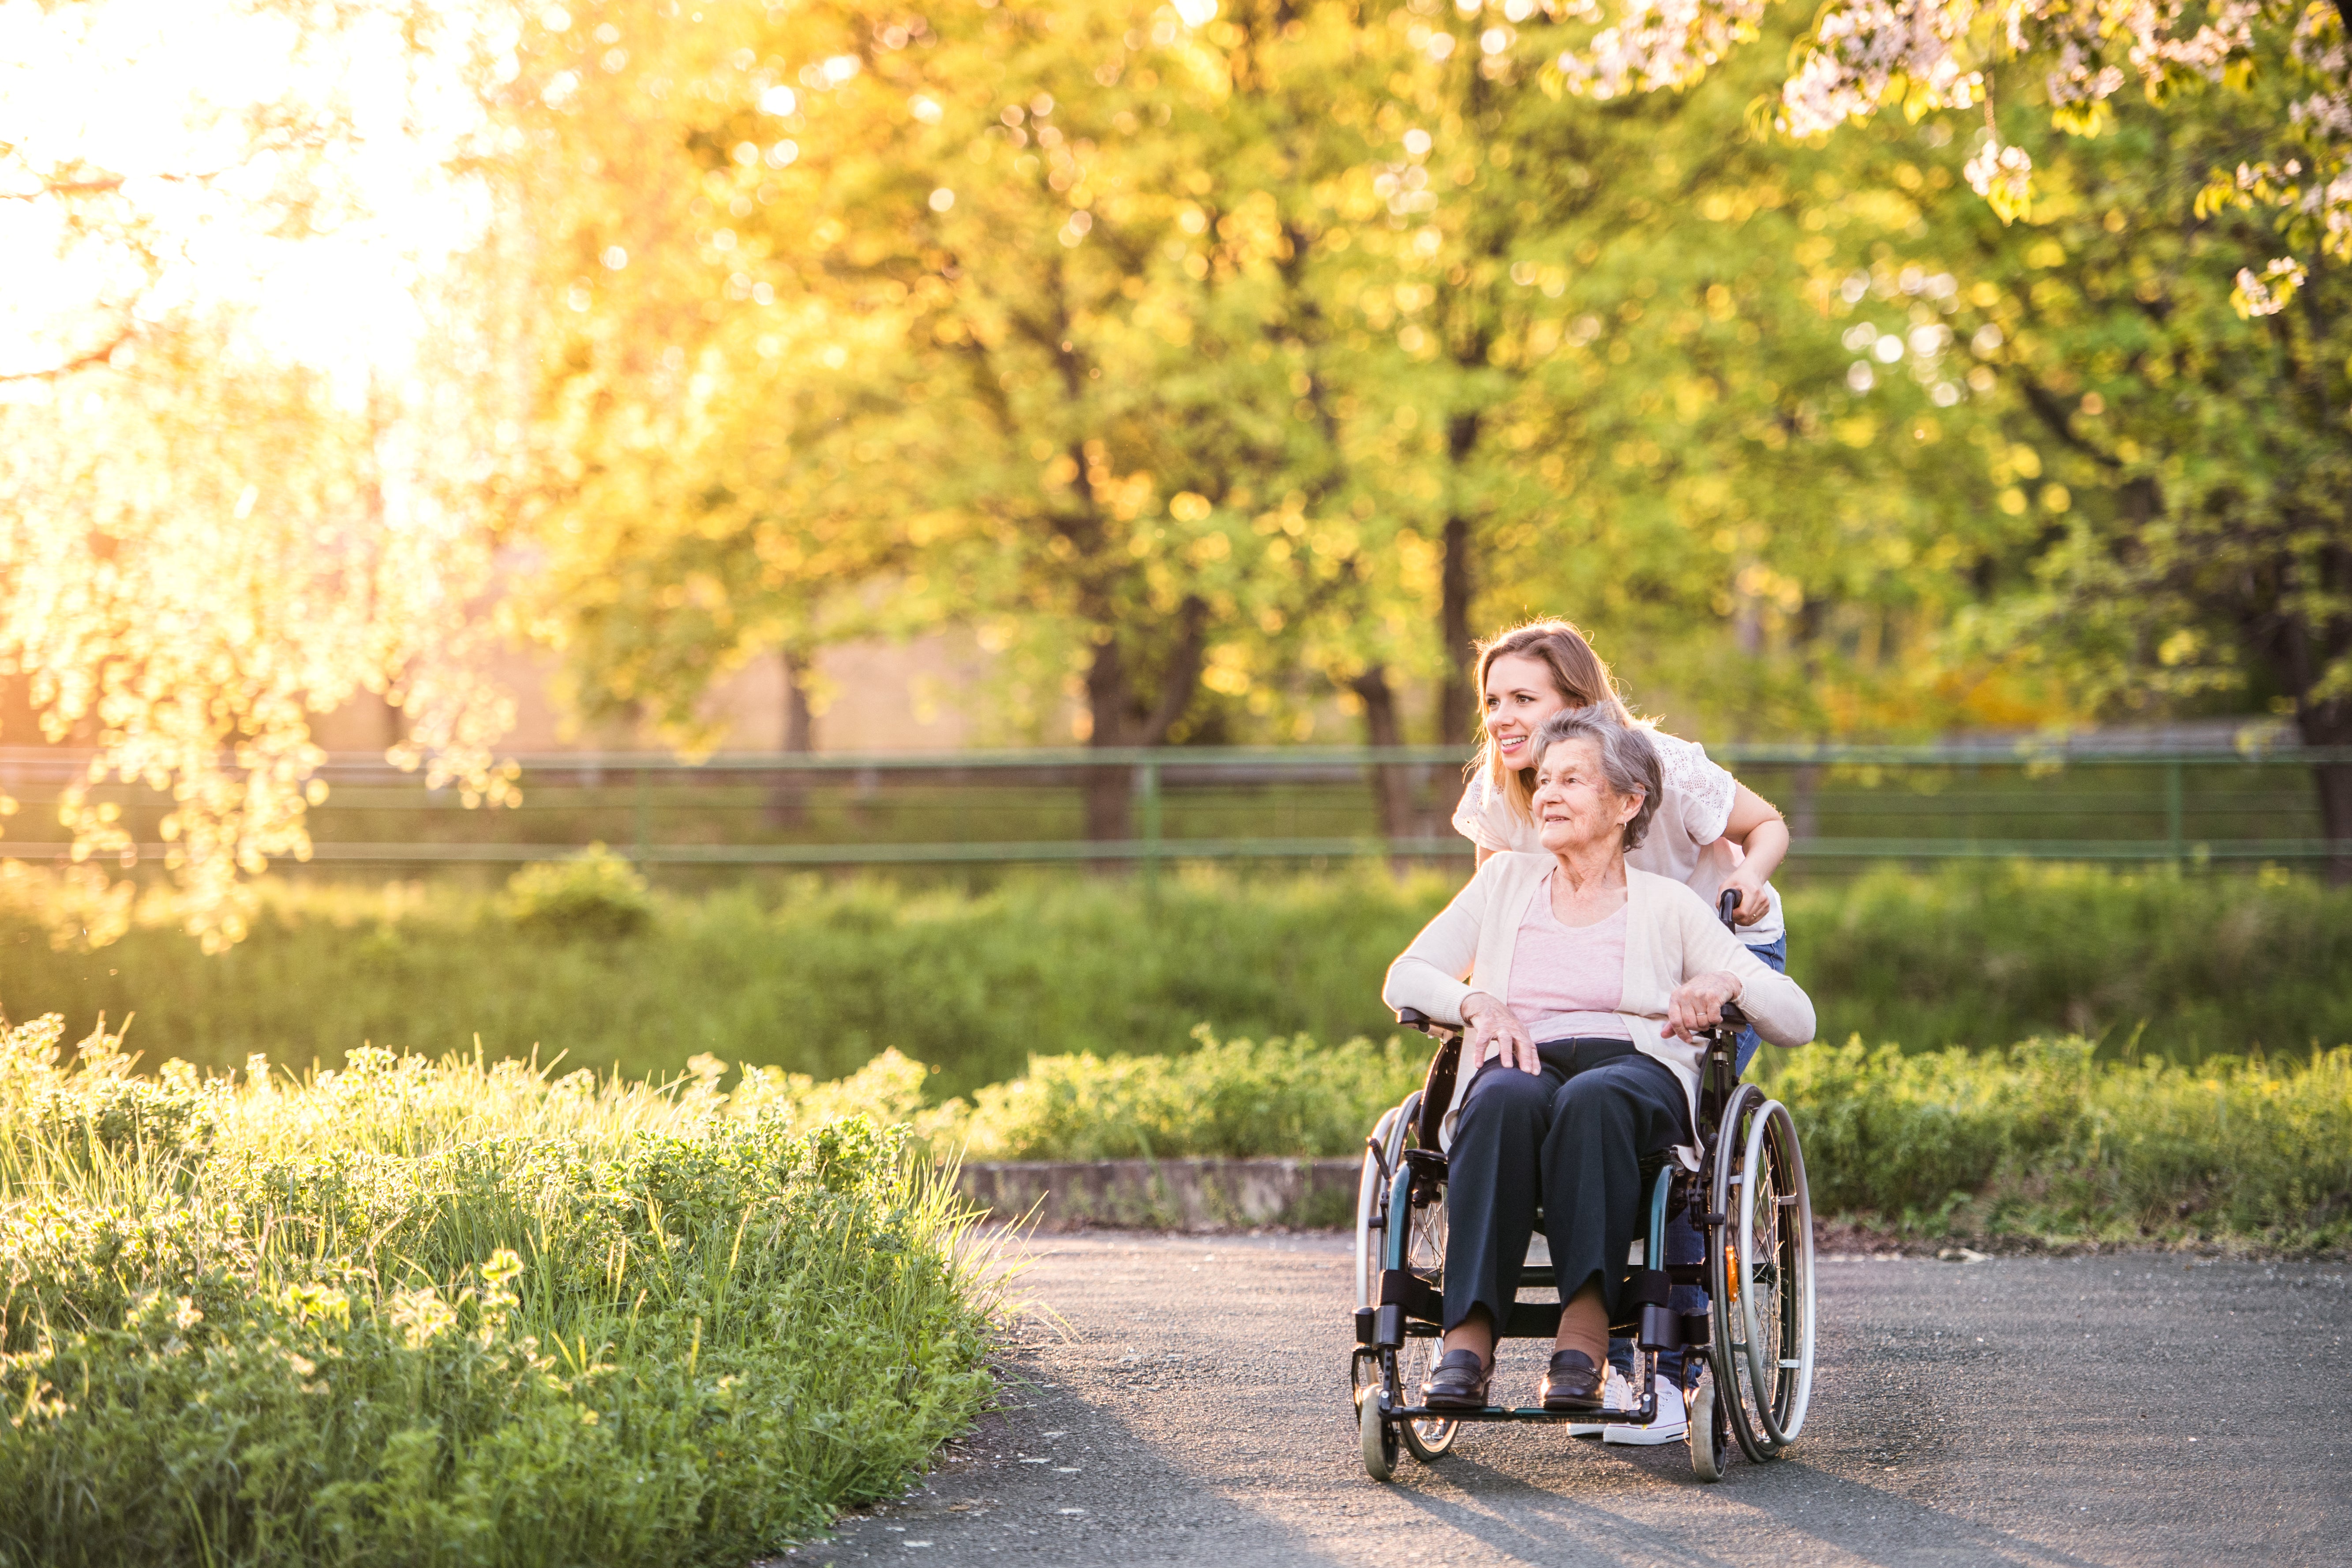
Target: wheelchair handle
[[1727, 905]]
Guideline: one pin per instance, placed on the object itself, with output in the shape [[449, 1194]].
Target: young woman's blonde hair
[[1579, 675]]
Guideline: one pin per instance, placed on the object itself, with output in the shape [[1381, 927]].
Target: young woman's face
[[1574, 807], [1519, 697]]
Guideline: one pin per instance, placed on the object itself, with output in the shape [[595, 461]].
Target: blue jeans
[[1685, 1242]]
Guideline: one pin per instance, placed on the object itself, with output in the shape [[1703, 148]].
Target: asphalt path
[[1184, 1400]]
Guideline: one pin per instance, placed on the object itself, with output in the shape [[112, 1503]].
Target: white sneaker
[[1617, 1394], [1668, 1425]]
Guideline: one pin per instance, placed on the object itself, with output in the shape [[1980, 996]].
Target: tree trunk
[[788, 801], [1392, 782], [2335, 819], [1455, 700], [1458, 582], [1109, 791], [2330, 724], [1110, 703]]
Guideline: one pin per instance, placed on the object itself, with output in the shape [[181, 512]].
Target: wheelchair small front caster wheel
[[1379, 1439], [1710, 1442]]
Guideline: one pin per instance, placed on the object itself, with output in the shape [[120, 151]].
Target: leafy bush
[[1981, 955], [1225, 1097], [411, 1313], [834, 973], [597, 895], [2045, 1138], [2042, 1139]]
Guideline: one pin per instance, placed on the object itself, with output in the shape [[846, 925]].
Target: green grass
[[816, 976], [457, 1312]]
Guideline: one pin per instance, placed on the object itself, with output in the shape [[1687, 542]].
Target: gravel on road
[[1184, 1400]]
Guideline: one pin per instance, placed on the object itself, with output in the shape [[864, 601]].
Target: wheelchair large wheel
[[1727, 1277], [1775, 1250], [1426, 1256], [1761, 1276], [1372, 1192]]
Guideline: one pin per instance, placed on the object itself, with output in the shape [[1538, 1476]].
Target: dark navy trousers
[[1572, 1138]]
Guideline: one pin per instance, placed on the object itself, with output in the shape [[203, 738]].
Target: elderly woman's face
[[1574, 807]]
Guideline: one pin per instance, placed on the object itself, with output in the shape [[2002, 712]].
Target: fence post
[[1147, 778], [2175, 835]]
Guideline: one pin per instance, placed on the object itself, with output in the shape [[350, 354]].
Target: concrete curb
[[1167, 1194]]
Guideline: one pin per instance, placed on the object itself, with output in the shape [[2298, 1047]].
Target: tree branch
[[79, 362]]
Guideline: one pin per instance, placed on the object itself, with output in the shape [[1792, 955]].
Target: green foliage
[[975, 984], [2042, 1139], [1223, 368], [2184, 967], [597, 894], [2172, 472], [408, 1314], [1225, 1097]]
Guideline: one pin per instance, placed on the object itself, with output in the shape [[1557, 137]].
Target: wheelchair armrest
[[1414, 1019]]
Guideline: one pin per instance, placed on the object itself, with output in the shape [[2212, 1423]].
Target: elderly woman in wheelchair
[[1594, 995]]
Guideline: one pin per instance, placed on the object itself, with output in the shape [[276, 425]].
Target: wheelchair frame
[[1756, 1382]]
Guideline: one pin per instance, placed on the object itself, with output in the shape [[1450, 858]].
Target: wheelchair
[[1754, 1211]]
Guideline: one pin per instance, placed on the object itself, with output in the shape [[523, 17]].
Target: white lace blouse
[[1682, 839]]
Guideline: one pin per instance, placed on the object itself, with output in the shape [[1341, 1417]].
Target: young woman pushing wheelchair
[[1709, 832], [1589, 982]]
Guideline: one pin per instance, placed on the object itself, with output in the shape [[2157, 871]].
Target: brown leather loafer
[[1571, 1382], [1457, 1382]]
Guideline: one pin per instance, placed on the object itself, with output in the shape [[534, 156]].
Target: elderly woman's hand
[[1496, 1030], [1698, 1004]]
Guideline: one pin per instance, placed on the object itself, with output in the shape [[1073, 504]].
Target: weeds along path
[[1188, 1407], [456, 1312]]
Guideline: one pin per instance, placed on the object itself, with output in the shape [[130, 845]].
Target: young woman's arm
[[1758, 828], [1478, 854]]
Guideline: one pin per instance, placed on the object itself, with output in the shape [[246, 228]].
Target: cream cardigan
[[1670, 935]]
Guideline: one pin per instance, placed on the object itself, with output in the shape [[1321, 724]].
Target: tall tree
[[204, 541], [2187, 470], [983, 299]]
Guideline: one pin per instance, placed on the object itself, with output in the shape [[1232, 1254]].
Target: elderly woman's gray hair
[[1628, 760]]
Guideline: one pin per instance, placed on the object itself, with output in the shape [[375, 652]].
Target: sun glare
[[130, 135]]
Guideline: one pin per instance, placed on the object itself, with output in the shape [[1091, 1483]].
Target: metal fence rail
[[2092, 799]]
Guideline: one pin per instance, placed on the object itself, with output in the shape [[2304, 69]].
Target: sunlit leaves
[[197, 555]]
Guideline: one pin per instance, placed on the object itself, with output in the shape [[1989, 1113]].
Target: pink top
[[1568, 981]]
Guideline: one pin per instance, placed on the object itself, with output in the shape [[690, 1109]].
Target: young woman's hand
[[1496, 1030], [1698, 1004], [1754, 902], [1756, 826]]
